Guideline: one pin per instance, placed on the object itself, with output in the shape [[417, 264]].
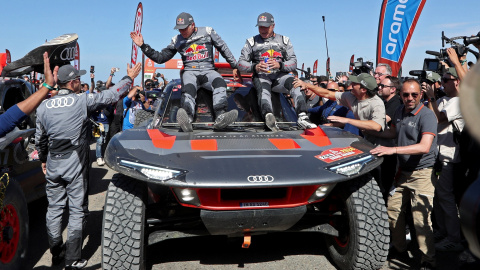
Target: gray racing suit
[[198, 60], [61, 141], [278, 47]]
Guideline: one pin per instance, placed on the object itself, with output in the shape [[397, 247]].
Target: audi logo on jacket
[[61, 126], [196, 51]]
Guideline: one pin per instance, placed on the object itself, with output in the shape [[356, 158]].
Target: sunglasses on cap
[[414, 95]]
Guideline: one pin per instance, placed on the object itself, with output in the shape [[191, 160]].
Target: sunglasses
[[332, 89], [445, 80], [378, 74], [414, 95], [383, 85]]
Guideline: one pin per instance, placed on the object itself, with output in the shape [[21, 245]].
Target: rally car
[[240, 182]]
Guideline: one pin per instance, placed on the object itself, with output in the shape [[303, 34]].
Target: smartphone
[[341, 74], [92, 69]]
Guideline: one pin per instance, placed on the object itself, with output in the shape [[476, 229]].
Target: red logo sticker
[[336, 154]]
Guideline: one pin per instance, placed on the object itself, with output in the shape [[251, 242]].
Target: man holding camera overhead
[[131, 104]]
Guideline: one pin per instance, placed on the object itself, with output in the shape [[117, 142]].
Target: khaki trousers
[[418, 188]]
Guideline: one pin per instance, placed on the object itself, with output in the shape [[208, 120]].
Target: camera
[[117, 69], [422, 76], [362, 67], [472, 40], [92, 69]]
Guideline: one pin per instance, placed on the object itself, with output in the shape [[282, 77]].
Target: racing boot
[[271, 122], [304, 122], [184, 120], [225, 119]]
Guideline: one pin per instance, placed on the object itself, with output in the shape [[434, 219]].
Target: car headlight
[[187, 196], [153, 172], [321, 192], [351, 168]]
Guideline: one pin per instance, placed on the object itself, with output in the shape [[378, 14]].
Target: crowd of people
[[415, 125]]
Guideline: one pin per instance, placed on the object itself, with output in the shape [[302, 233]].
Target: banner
[[398, 19], [351, 65], [76, 60], [315, 68], [137, 28], [303, 68]]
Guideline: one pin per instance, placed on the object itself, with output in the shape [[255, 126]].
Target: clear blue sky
[[103, 28]]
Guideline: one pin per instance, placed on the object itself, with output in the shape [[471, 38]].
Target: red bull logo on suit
[[196, 52]]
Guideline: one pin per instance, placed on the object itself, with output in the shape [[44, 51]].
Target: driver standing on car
[[270, 57], [62, 144], [195, 45]]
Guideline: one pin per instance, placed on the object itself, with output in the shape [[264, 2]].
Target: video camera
[[307, 72], [471, 40], [423, 76], [362, 67]]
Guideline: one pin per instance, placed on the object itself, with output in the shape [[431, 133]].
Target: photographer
[[450, 122], [459, 64], [131, 103]]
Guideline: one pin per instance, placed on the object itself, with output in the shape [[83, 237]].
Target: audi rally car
[[240, 182]]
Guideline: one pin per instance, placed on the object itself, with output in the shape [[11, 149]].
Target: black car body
[[241, 181]]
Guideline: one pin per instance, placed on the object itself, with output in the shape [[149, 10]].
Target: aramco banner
[[398, 19]]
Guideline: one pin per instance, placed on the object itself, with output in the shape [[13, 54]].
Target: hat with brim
[[68, 73], [183, 20], [265, 19], [364, 79], [452, 71]]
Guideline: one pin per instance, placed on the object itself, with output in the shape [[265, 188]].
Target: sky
[[103, 27]]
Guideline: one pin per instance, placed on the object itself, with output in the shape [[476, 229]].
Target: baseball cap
[[265, 19], [183, 20], [365, 79], [67, 73], [433, 77], [452, 71]]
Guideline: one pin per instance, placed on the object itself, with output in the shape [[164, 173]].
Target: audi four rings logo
[[60, 102], [260, 178], [68, 53]]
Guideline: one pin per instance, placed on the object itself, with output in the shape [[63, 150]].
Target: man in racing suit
[[62, 144], [195, 45], [270, 57]]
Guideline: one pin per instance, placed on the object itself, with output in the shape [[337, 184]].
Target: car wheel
[[13, 227], [142, 116], [124, 220], [363, 226]]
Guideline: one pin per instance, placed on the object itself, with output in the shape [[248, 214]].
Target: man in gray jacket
[[270, 57], [62, 144], [195, 45]]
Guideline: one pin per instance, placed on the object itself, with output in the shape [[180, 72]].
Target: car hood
[[233, 159]]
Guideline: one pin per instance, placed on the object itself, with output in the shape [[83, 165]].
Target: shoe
[[304, 122], [271, 122], [78, 264], [399, 256], [184, 120], [100, 162], [225, 119], [426, 266], [447, 245], [58, 254]]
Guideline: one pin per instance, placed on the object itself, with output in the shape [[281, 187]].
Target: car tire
[[142, 116], [124, 221], [364, 233], [15, 223]]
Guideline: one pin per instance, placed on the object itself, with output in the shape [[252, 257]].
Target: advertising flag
[[329, 75], [315, 68], [9, 57], [351, 64], [397, 22], [217, 56], [137, 27], [76, 60]]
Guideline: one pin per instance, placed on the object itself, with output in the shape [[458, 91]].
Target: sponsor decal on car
[[336, 154], [254, 204]]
